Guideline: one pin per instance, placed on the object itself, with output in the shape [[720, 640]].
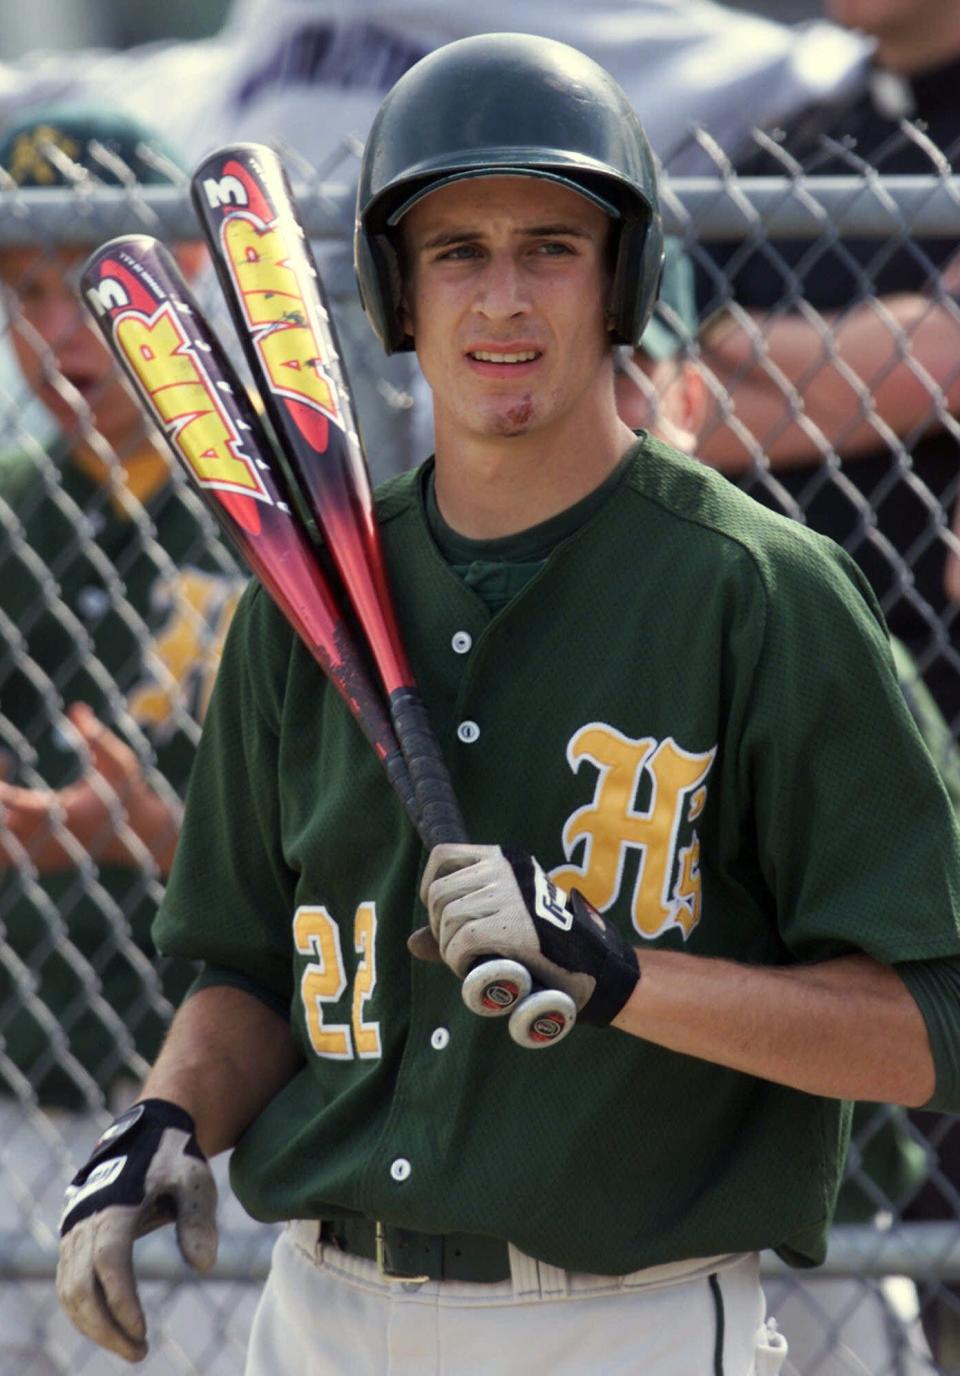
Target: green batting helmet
[[507, 104]]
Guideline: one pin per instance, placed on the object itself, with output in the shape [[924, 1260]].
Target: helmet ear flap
[[380, 282], [637, 277]]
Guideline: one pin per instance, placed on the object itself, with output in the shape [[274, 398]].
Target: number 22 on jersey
[[324, 981]]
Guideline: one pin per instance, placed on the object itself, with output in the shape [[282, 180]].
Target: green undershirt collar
[[499, 569]]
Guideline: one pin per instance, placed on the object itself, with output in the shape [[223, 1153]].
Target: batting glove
[[146, 1170], [487, 901]]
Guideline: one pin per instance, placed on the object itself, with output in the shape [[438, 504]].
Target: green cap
[[673, 326], [68, 145]]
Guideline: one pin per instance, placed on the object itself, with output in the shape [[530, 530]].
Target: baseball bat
[[271, 285], [182, 376], [269, 278]]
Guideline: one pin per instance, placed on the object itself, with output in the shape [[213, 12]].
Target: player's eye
[[554, 248], [458, 253]]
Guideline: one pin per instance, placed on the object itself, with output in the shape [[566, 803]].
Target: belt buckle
[[380, 1242]]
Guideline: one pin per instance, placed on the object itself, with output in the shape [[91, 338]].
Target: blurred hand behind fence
[[112, 812]]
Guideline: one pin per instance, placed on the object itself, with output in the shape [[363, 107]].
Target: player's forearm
[[801, 384], [225, 1057], [844, 1028]]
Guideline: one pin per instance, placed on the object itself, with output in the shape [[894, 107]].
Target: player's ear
[[191, 256]]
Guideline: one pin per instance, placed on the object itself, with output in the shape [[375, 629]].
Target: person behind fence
[[114, 598], [837, 1325], [642, 684], [870, 374]]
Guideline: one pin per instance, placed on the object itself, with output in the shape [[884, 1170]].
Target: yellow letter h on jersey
[[667, 892]]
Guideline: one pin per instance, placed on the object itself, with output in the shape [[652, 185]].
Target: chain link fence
[[115, 591]]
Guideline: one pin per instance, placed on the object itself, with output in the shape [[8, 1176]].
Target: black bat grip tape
[[440, 817], [399, 776]]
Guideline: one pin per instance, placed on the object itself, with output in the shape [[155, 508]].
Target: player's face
[[63, 360], [505, 293]]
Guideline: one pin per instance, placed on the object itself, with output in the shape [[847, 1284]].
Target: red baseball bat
[[272, 288], [179, 370], [266, 269]]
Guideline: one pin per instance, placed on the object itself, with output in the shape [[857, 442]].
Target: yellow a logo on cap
[[30, 161]]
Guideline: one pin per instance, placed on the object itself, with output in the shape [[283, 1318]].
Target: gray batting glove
[[486, 901], [146, 1170]]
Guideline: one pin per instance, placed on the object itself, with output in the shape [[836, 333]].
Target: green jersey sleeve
[[229, 865], [212, 977], [935, 986], [856, 835]]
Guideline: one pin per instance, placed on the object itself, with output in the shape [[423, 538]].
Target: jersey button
[[439, 1038], [468, 732], [462, 642], [401, 1168]]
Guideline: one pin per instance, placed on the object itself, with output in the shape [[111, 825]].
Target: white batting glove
[[146, 1170], [486, 901]]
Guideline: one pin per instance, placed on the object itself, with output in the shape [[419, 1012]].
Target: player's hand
[[487, 901], [146, 1170]]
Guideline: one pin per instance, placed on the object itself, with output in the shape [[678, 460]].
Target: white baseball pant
[[327, 1313]]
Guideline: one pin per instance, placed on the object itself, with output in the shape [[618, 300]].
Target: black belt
[[405, 1255]]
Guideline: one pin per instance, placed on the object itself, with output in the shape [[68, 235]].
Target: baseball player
[[643, 684]]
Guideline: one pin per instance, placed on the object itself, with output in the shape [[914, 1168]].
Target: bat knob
[[542, 1019], [494, 987]]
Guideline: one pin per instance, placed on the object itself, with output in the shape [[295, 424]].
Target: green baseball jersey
[[124, 608], [691, 714]]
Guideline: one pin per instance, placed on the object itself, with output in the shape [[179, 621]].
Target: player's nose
[[502, 291]]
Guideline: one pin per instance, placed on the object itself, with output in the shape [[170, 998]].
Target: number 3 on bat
[[324, 980], [224, 191]]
